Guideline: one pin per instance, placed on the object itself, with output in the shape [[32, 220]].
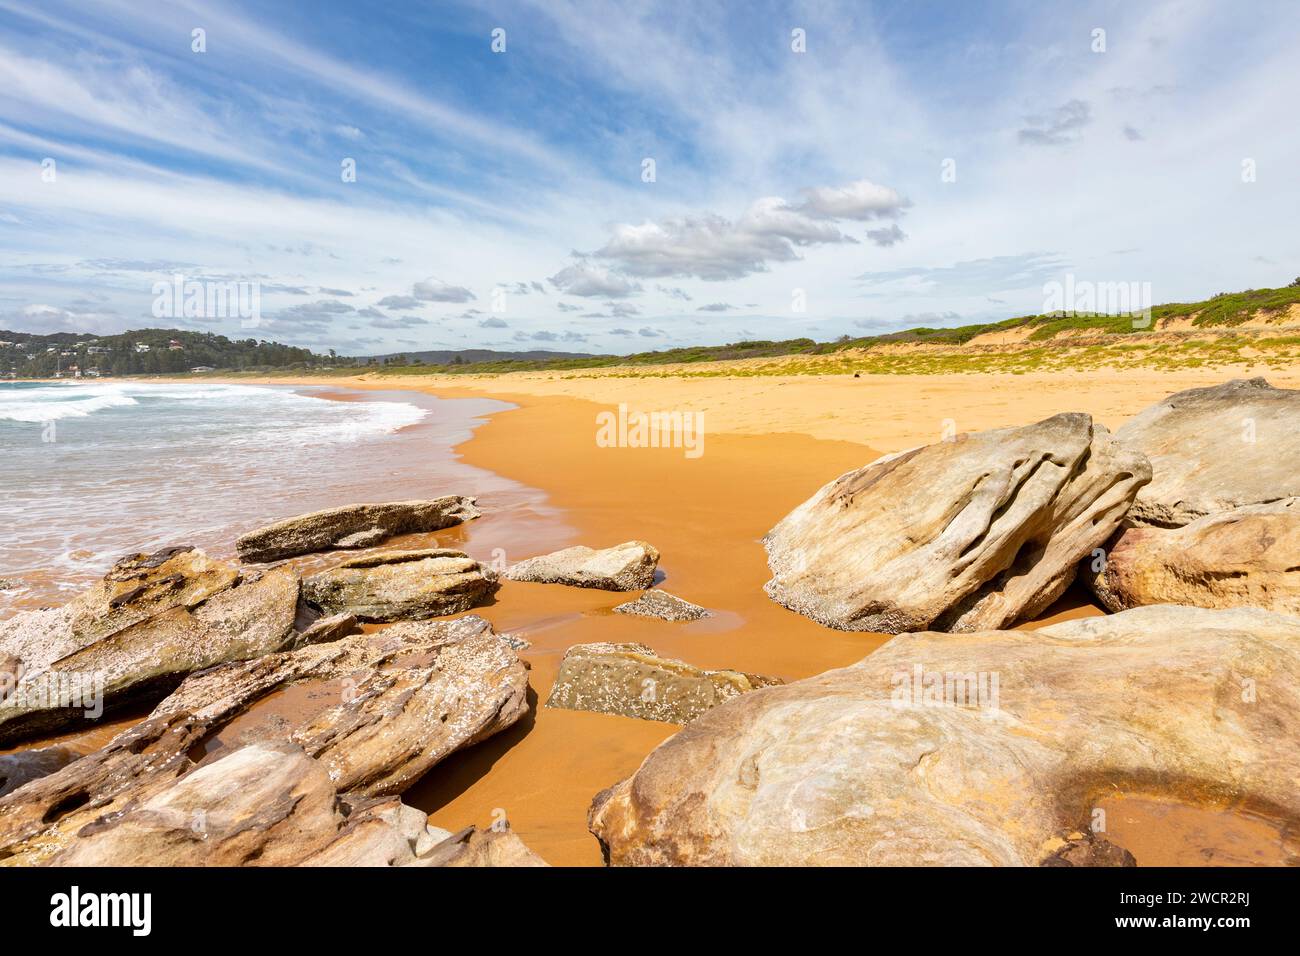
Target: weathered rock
[[633, 681], [22, 768], [323, 630], [41, 818], [392, 834], [978, 751], [1088, 849], [378, 710], [1214, 449], [147, 659], [1246, 557], [960, 535], [665, 606], [625, 567], [353, 526], [136, 588], [263, 805], [403, 585]]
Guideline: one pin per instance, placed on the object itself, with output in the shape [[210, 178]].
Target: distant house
[[174, 346], [141, 347], [203, 368]]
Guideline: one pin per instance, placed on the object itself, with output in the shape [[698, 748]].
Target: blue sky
[[500, 200]]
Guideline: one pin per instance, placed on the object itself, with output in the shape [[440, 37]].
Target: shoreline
[[706, 515]]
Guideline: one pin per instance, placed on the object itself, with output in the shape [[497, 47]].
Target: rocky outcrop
[[1246, 557], [980, 751], [403, 585], [147, 659], [137, 587], [263, 805], [353, 526], [961, 535], [1088, 849], [665, 606], [1215, 449], [269, 804], [21, 768], [372, 712], [378, 710], [625, 567], [632, 681]]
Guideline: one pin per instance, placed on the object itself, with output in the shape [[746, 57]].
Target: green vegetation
[[1092, 341]]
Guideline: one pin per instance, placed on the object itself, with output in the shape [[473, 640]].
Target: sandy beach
[[769, 444]]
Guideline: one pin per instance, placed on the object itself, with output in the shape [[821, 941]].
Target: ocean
[[90, 472]]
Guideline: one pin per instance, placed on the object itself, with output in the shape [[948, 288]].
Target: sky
[[619, 177]]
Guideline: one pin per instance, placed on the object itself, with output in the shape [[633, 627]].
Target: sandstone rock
[[960, 535], [377, 710], [1246, 557], [403, 585], [40, 819], [1214, 449], [21, 768], [137, 587], [263, 805], [661, 604], [631, 680], [982, 750], [1088, 849], [147, 659], [625, 567], [474, 847], [353, 526], [326, 629]]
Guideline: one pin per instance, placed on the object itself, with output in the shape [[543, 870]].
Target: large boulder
[[137, 587], [378, 710], [403, 585], [962, 535], [353, 526], [1246, 557], [1215, 449], [147, 659], [629, 566], [985, 750], [633, 681]]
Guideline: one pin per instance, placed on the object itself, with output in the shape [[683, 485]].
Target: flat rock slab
[[625, 567], [963, 535], [147, 659], [1246, 557], [137, 587], [631, 680], [979, 751], [353, 526], [665, 606], [402, 585], [1214, 449], [378, 710]]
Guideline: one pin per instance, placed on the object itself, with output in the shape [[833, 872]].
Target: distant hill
[[472, 356], [143, 352]]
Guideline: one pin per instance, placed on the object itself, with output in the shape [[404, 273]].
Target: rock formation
[[625, 567], [402, 585]]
